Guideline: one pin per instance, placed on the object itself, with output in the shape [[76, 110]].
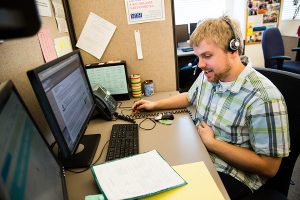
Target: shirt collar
[[238, 83]]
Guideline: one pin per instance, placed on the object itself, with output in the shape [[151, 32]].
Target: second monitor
[[67, 101]]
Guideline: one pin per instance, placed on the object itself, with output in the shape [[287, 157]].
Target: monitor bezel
[[6, 89], [182, 33], [47, 110], [120, 96]]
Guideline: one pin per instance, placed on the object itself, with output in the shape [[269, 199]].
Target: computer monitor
[[193, 26], [28, 168], [112, 76], [182, 33], [67, 101]]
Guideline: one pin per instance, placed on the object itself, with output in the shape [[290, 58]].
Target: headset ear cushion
[[234, 44]]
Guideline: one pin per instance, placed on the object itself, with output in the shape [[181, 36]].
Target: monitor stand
[[84, 158]]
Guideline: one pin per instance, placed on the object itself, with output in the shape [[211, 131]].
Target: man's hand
[[142, 105], [207, 134], [239, 157]]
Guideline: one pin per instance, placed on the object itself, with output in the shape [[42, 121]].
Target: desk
[[182, 45], [181, 53], [178, 143]]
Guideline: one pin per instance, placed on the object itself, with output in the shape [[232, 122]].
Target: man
[[241, 116]]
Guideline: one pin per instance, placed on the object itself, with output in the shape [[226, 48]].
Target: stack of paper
[[200, 184]]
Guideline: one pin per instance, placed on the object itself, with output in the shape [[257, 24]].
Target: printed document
[[136, 176], [95, 35]]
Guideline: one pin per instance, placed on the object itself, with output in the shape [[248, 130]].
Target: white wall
[[289, 27]]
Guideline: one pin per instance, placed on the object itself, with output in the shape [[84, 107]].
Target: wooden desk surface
[[178, 143]]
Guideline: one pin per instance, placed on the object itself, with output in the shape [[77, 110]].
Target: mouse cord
[[147, 129]]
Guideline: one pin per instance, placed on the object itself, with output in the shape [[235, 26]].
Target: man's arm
[[241, 158], [178, 101]]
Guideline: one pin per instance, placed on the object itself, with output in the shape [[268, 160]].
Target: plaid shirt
[[251, 113]]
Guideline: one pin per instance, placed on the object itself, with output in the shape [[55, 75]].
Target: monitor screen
[[28, 168], [112, 76], [66, 99], [182, 33], [193, 26]]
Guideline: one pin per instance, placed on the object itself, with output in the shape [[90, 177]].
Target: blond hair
[[217, 30]]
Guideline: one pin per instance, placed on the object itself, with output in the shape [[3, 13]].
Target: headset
[[234, 42]]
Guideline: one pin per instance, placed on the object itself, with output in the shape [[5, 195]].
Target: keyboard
[[124, 141]]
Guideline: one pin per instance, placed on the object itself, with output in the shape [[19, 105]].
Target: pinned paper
[[44, 8], [137, 36], [96, 35], [141, 11], [60, 16], [62, 45], [47, 44]]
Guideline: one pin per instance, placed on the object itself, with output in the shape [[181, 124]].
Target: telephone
[[106, 105]]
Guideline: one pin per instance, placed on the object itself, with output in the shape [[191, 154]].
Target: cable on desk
[[101, 152], [147, 129], [52, 145], [85, 169], [120, 103]]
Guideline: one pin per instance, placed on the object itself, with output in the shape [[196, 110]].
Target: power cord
[[124, 117], [147, 129], [85, 169]]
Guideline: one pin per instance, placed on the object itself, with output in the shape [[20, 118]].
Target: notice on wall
[[44, 8], [141, 11], [47, 45], [95, 36], [62, 45]]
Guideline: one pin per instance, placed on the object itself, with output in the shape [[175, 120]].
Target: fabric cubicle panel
[[157, 41]]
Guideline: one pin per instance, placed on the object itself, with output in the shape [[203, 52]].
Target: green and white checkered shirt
[[251, 113]]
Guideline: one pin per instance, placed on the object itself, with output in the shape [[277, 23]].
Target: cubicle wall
[[157, 41], [17, 56]]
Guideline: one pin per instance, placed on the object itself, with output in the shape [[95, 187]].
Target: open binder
[[137, 176]]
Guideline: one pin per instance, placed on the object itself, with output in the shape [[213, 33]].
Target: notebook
[[28, 169], [136, 176]]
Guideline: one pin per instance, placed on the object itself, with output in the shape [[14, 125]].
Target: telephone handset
[[106, 105]]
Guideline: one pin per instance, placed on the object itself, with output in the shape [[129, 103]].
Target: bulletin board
[[261, 15], [19, 55], [157, 42]]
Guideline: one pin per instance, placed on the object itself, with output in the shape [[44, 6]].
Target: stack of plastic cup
[[136, 86]]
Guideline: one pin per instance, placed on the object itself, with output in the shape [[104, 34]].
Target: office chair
[[288, 84], [273, 50], [188, 74]]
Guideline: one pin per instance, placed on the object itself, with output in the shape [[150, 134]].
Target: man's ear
[[234, 53]]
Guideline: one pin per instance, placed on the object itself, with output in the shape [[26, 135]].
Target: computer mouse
[[164, 116], [168, 116]]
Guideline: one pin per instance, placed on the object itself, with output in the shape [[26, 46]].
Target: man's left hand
[[207, 134]]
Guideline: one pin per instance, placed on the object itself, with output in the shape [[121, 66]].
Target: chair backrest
[[289, 84], [272, 45]]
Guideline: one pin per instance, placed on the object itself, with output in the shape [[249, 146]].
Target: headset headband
[[234, 43]]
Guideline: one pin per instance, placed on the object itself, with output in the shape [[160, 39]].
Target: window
[[290, 10], [189, 11]]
